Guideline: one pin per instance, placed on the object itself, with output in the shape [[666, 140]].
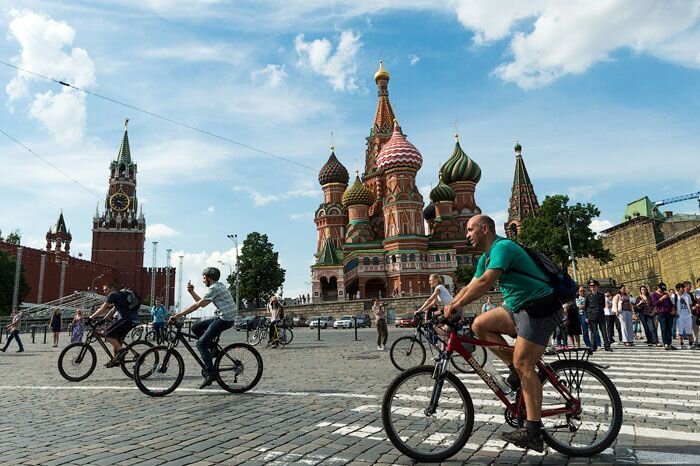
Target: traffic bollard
[[354, 320], [33, 332], [319, 330], [46, 327]]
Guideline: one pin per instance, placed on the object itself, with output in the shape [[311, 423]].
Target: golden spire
[[381, 72]]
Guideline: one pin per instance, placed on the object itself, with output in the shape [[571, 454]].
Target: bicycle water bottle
[[497, 377]]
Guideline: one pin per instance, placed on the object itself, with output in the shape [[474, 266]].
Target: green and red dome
[[333, 171]]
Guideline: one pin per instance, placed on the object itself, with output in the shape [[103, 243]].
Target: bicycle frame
[[456, 344], [181, 336], [91, 337]]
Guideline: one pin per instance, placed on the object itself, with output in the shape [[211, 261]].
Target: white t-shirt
[[608, 307], [683, 305], [444, 297]]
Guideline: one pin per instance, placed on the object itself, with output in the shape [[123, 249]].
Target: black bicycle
[[78, 360], [409, 351], [160, 370], [283, 337]]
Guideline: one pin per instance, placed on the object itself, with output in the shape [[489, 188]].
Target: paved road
[[317, 403]]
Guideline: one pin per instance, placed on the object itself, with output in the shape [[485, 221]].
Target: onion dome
[[397, 152], [381, 73], [333, 171], [429, 212], [518, 147], [358, 194], [460, 167], [442, 193]]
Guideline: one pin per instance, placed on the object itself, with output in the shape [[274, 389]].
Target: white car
[[344, 322], [323, 321]]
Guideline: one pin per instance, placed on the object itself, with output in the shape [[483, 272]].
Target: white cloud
[[598, 225], [305, 216], [42, 42], [338, 68], [198, 53], [499, 217], [160, 230], [413, 59], [570, 37], [303, 188], [209, 210], [258, 198], [587, 192], [271, 75]]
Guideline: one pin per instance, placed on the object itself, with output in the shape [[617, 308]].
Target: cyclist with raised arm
[[207, 330], [525, 289]]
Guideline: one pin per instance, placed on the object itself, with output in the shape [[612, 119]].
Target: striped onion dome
[[460, 167], [333, 171], [358, 194], [442, 193], [429, 212], [398, 152]]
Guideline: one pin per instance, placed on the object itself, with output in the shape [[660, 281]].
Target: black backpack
[[133, 301], [565, 288]]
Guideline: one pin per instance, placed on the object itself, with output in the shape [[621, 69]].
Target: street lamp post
[[234, 238], [230, 269], [566, 217]]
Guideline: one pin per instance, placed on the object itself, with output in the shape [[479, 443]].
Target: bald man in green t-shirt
[[524, 286]]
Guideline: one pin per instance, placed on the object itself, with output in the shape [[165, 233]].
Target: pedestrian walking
[[488, 305], [574, 329], [595, 316], [622, 306], [581, 308], [55, 324], [560, 333], [609, 316], [647, 316], [77, 327], [665, 312], [695, 310], [13, 329], [379, 311], [159, 314], [683, 316]]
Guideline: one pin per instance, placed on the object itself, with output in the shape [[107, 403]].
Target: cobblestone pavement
[[317, 403]]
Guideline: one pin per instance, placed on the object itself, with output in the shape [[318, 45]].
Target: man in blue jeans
[[208, 330]]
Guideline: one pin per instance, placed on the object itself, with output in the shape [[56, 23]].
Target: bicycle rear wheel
[[159, 371], [407, 352], [239, 368], [596, 426], [427, 437], [286, 335], [77, 361], [133, 352], [479, 355]]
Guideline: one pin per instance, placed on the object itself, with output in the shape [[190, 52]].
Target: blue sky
[[603, 96]]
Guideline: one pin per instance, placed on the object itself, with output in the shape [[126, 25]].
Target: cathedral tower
[[523, 201], [58, 239], [119, 233]]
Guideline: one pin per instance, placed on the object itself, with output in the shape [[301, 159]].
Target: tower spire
[[523, 201], [124, 155]]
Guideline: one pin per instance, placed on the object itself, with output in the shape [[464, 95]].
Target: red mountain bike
[[428, 413]]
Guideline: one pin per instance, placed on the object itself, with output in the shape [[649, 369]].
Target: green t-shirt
[[517, 281]]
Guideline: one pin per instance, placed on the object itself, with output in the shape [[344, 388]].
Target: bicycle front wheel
[[287, 335], [595, 427], [417, 430], [479, 355], [256, 336], [159, 371], [77, 361], [239, 368], [133, 352], [407, 352]]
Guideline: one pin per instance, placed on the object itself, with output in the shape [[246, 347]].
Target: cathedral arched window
[[437, 257], [365, 261], [403, 257], [412, 258], [447, 257], [375, 261]]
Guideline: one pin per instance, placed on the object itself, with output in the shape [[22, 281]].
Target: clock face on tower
[[119, 201]]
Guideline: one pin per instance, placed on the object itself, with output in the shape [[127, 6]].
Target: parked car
[[247, 322], [406, 320], [299, 321], [323, 321], [363, 320], [344, 322]]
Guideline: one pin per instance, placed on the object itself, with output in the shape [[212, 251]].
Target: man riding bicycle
[[207, 330], [524, 287], [124, 322]]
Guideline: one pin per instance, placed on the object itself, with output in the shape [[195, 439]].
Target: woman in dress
[[622, 306], [76, 334], [574, 329], [55, 324]]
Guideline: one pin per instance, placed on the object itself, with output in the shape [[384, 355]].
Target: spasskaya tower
[[119, 233]]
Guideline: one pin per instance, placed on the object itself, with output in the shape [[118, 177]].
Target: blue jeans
[[14, 334], [584, 331], [666, 324], [206, 331], [649, 329]]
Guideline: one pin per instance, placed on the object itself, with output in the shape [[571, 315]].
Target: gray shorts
[[538, 331]]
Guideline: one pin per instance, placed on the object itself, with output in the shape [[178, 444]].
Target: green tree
[[546, 231], [14, 238], [8, 265], [465, 273], [260, 272]]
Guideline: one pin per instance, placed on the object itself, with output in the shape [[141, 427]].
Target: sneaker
[[608, 349], [682, 346], [671, 347], [208, 380], [20, 350], [521, 438], [3, 350], [117, 359], [379, 348], [513, 380]]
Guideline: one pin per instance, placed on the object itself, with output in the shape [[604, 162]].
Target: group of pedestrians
[[659, 317]]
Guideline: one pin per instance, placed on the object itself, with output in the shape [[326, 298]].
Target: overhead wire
[[161, 117]]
